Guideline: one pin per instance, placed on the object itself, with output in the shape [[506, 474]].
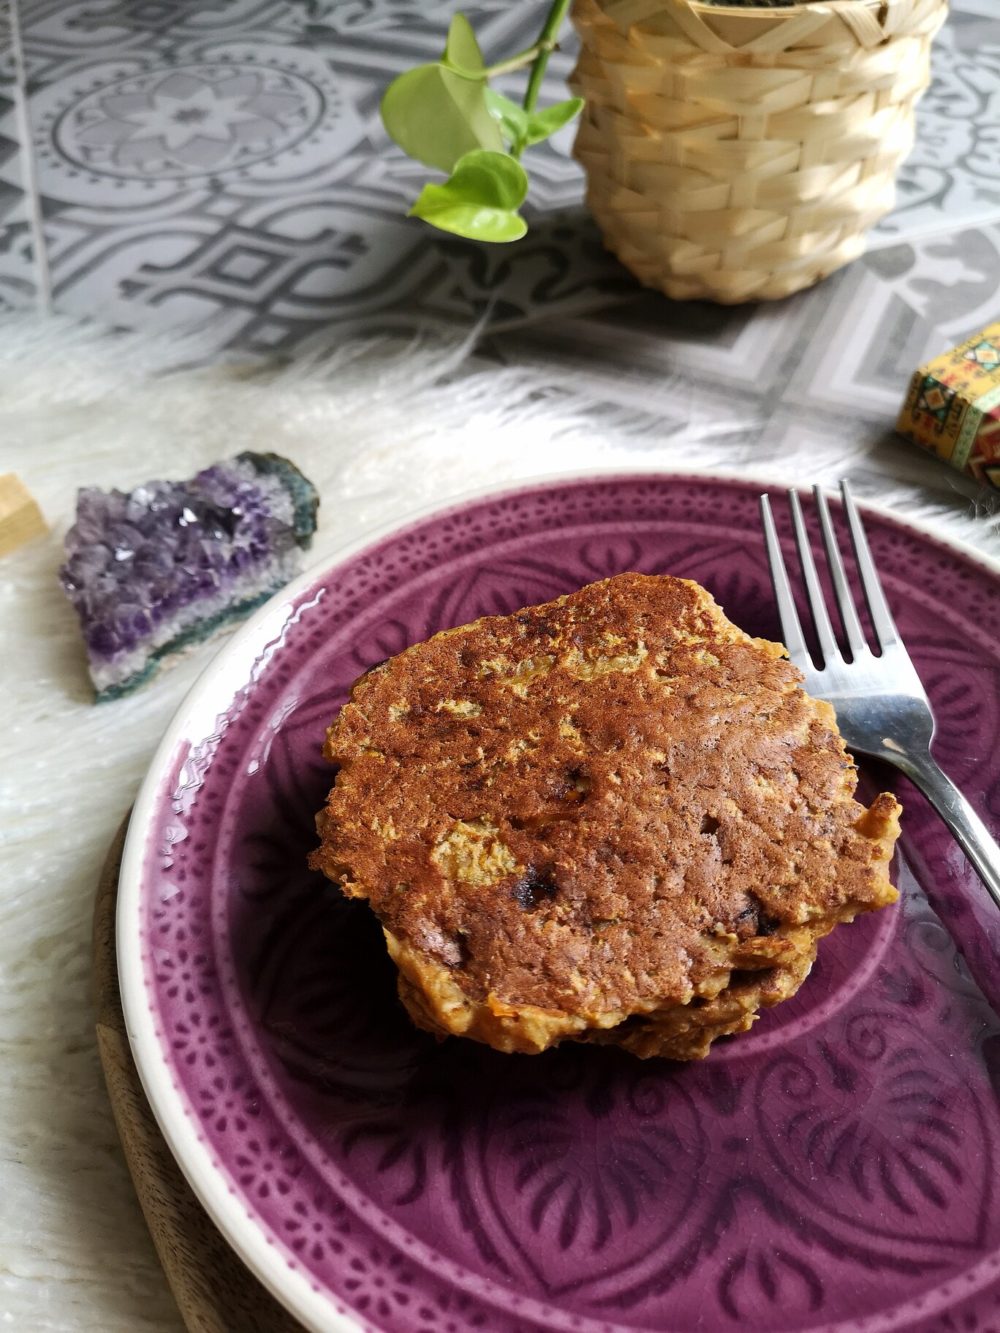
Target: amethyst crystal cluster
[[156, 569]]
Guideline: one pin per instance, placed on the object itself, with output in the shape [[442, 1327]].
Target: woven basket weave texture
[[742, 154]]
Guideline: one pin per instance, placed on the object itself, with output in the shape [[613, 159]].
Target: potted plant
[[733, 151]]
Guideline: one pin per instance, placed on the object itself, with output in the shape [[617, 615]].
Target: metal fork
[[881, 706]]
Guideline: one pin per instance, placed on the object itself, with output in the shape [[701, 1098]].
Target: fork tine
[[845, 601], [791, 629], [885, 627], [817, 603]]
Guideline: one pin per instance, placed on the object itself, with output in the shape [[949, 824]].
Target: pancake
[[612, 817]]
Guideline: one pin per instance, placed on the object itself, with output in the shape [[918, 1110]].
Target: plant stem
[[513, 62], [546, 45]]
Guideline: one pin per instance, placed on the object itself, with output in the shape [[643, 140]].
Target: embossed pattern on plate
[[835, 1168]]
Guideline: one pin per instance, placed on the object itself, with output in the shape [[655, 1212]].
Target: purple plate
[[836, 1168]]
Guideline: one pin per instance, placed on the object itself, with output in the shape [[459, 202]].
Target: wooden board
[[215, 1292]]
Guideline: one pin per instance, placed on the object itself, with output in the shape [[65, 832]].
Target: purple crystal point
[[155, 569]]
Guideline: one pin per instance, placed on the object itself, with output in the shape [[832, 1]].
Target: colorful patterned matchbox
[[953, 407]]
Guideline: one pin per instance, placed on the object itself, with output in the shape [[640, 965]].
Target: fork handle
[[972, 834]]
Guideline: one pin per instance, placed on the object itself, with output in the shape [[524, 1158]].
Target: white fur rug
[[380, 429]]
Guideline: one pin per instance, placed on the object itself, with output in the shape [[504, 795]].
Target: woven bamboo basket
[[741, 154]]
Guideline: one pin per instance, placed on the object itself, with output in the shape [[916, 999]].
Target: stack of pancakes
[[614, 817]]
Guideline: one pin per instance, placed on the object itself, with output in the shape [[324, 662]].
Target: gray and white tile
[[828, 365], [222, 162], [953, 173], [18, 267], [949, 279]]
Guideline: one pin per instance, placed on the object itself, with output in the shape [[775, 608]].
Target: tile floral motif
[[188, 120], [141, 133]]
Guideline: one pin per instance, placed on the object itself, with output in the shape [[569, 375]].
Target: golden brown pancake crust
[[594, 810]]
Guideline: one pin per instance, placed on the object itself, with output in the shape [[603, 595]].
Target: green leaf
[[523, 128], [543, 123], [437, 116], [461, 51], [479, 200], [476, 223], [513, 119]]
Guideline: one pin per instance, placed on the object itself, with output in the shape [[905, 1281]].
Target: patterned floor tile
[[222, 161], [835, 360], [18, 281], [173, 147], [949, 280], [17, 272], [953, 172], [976, 8]]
